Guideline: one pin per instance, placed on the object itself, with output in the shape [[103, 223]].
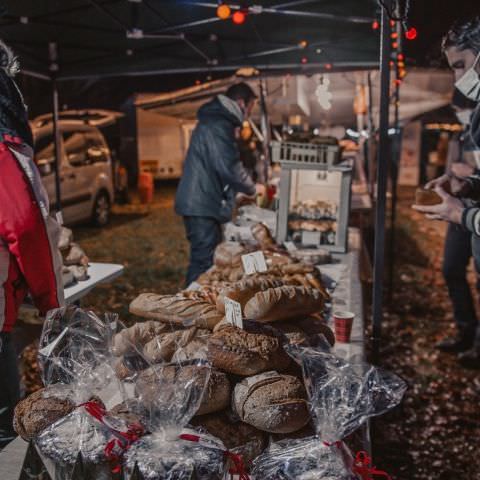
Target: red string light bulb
[[239, 17], [411, 33]]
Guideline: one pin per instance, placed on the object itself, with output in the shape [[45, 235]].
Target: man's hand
[[438, 182], [242, 199], [260, 188], [462, 170], [450, 209]]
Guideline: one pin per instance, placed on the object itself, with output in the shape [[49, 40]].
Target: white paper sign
[[290, 246], [193, 287], [311, 238], [233, 312], [254, 262]]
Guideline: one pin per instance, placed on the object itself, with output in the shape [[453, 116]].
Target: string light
[[303, 44], [375, 25], [223, 11], [304, 60], [411, 33], [239, 17]]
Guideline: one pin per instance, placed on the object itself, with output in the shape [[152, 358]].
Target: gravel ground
[[434, 435]]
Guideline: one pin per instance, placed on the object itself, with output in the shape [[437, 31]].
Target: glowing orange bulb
[[223, 11], [375, 25], [394, 35], [303, 44], [394, 45], [401, 57], [328, 66]]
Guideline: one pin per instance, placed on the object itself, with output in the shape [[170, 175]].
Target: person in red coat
[[29, 257]]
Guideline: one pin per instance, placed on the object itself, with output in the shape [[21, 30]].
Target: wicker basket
[[305, 153]]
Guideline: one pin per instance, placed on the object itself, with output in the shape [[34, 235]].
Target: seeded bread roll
[[163, 347], [245, 289], [283, 303], [176, 310], [272, 402], [135, 337], [238, 437], [216, 395], [249, 351], [40, 410]]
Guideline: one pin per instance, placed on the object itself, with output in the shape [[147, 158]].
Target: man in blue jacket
[[213, 174]]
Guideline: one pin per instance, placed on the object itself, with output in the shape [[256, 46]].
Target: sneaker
[[470, 358], [461, 343]]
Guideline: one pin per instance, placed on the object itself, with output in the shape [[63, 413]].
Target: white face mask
[[469, 83], [464, 116]]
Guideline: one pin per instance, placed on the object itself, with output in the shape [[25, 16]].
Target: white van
[[86, 186]]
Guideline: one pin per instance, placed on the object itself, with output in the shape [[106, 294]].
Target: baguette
[[283, 303], [176, 310]]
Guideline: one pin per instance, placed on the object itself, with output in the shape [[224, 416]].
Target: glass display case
[[315, 193]]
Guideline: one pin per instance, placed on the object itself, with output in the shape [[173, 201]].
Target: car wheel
[[101, 210]]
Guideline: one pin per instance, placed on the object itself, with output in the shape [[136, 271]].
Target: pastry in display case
[[314, 200]]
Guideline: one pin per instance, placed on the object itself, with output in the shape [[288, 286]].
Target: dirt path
[[436, 433]]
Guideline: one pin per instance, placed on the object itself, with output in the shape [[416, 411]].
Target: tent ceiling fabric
[[124, 37]]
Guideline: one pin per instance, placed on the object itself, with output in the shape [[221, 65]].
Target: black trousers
[[458, 252], [9, 388], [204, 234]]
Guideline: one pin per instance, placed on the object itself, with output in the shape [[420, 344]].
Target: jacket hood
[[214, 109]]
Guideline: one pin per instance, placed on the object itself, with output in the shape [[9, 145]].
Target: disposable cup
[[343, 322]]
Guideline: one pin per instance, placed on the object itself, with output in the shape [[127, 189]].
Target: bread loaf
[[283, 303], [272, 402], [229, 254], [135, 337], [243, 352], [314, 325], [162, 347], [155, 381], [40, 410], [427, 197], [262, 235], [239, 437], [176, 310], [127, 366], [245, 289]]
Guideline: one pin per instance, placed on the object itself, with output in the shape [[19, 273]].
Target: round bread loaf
[[154, 380], [248, 351], [40, 410], [237, 436], [427, 197], [272, 402]]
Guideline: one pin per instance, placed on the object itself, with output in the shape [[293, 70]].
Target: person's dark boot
[[470, 358], [462, 342]]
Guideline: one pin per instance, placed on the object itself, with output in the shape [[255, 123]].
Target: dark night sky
[[431, 17]]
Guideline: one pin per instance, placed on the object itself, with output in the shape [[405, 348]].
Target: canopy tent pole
[[56, 130], [382, 174], [265, 126]]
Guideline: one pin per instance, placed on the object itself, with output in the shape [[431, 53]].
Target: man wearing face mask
[[462, 48], [213, 174]]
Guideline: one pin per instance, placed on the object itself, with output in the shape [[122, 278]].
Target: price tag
[[290, 246], [233, 312], [311, 238], [254, 262]]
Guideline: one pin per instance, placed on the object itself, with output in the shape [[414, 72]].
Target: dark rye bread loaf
[[216, 395], [40, 410], [248, 351], [272, 402], [237, 436]]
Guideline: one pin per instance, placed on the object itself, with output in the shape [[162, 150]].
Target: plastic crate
[[305, 153]]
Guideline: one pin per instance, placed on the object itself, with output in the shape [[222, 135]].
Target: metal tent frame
[[92, 39]]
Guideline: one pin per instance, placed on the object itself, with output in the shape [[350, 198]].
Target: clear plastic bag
[[170, 395], [342, 398], [75, 352]]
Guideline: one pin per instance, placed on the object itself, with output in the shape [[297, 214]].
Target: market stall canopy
[[423, 90], [95, 38]]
